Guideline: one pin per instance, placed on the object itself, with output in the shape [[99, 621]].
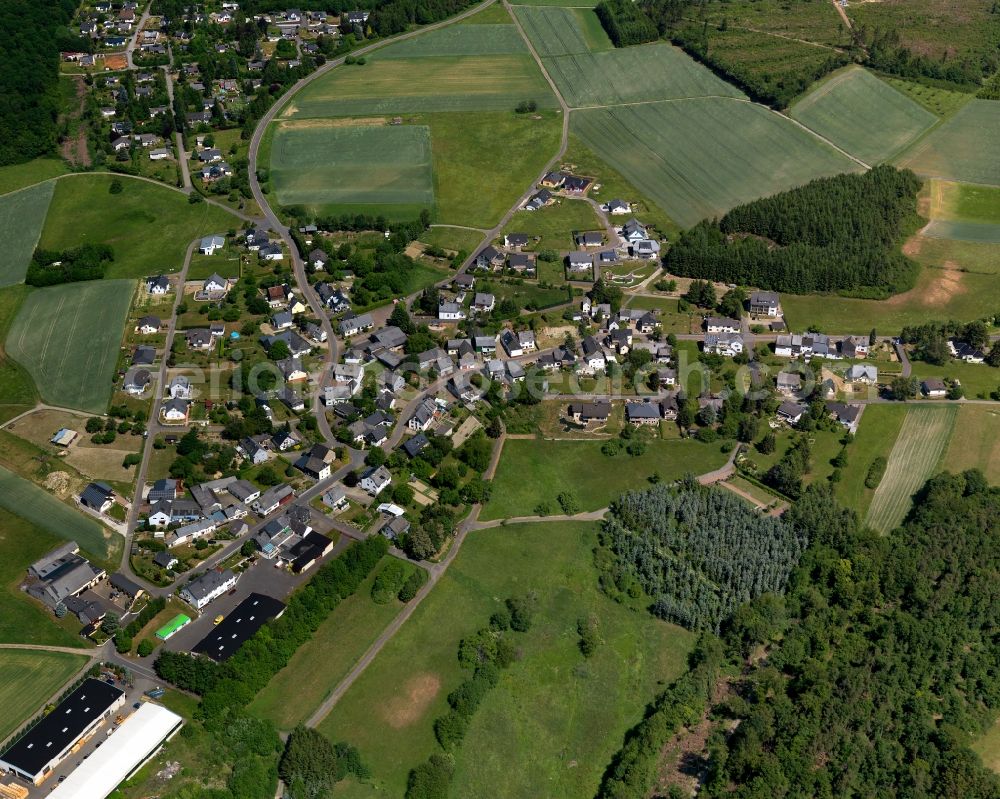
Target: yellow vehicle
[[218, 619]]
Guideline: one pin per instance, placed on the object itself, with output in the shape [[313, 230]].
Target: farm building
[[43, 747], [64, 437], [120, 756]]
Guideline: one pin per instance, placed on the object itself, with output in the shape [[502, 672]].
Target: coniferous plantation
[[839, 234], [31, 36], [698, 552]]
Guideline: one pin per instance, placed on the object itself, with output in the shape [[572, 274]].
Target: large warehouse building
[[249, 616], [37, 752], [134, 742]]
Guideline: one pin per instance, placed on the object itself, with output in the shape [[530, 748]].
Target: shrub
[[875, 472]]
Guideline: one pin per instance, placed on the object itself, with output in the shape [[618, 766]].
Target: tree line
[[86, 262], [837, 234], [626, 23]]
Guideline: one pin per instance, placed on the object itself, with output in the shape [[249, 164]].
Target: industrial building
[[249, 616], [36, 753], [138, 738]]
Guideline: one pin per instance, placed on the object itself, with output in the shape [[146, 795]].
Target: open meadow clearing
[[328, 167], [28, 679], [387, 85], [22, 620], [964, 202], [922, 439], [987, 746], [644, 73], [68, 338], [876, 436], [39, 507], [957, 281], [459, 40], [149, 227], [555, 224], [561, 31], [813, 22], [316, 668], [699, 158], [17, 389], [975, 442], [533, 471], [555, 717], [22, 215], [862, 115], [963, 148], [17, 176]]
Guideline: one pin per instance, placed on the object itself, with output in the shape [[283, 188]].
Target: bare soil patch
[[913, 246], [413, 700], [59, 484], [339, 122]]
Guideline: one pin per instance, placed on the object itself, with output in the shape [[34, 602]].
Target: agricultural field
[[975, 442], [148, 226], [554, 225], [321, 663], [39, 507], [23, 621], [484, 39], [28, 679], [533, 471], [17, 390], [70, 349], [862, 115], [922, 440], [876, 436], [663, 149], [961, 148], [562, 31], [388, 85], [452, 238], [544, 713], [18, 176], [328, 167], [21, 216], [644, 73]]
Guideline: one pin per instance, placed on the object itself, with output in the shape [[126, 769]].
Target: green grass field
[[324, 167], [22, 621], [387, 85], [975, 442], [665, 149], [981, 232], [459, 40], [962, 148], [452, 238], [149, 226], [28, 679], [296, 691], [555, 224], [39, 507], [68, 338], [17, 389], [562, 31], [987, 746], [470, 189], [634, 74], [862, 115], [533, 471], [555, 719], [922, 440], [876, 436], [964, 202], [17, 176], [21, 217]]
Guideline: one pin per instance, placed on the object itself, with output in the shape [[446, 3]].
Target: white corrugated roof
[[124, 750]]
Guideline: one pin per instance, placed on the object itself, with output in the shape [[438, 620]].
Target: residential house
[[484, 303], [464, 281], [336, 498], [617, 208], [352, 324], [933, 388], [515, 241], [175, 410], [167, 488], [580, 262], [315, 463], [243, 490], [253, 450], [274, 498], [590, 238], [202, 590], [209, 244], [136, 381], [789, 383], [847, 415], [375, 479], [488, 258], [720, 324], [291, 369], [765, 303], [643, 413], [215, 284], [423, 416], [538, 200], [522, 262], [159, 284], [862, 373], [791, 412], [450, 311], [854, 347], [511, 343], [804, 346], [585, 412], [98, 497], [634, 231], [645, 249], [727, 344]]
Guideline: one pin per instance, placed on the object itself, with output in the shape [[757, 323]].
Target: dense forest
[[50, 268], [697, 552], [866, 678], [838, 234], [625, 23], [31, 37]]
